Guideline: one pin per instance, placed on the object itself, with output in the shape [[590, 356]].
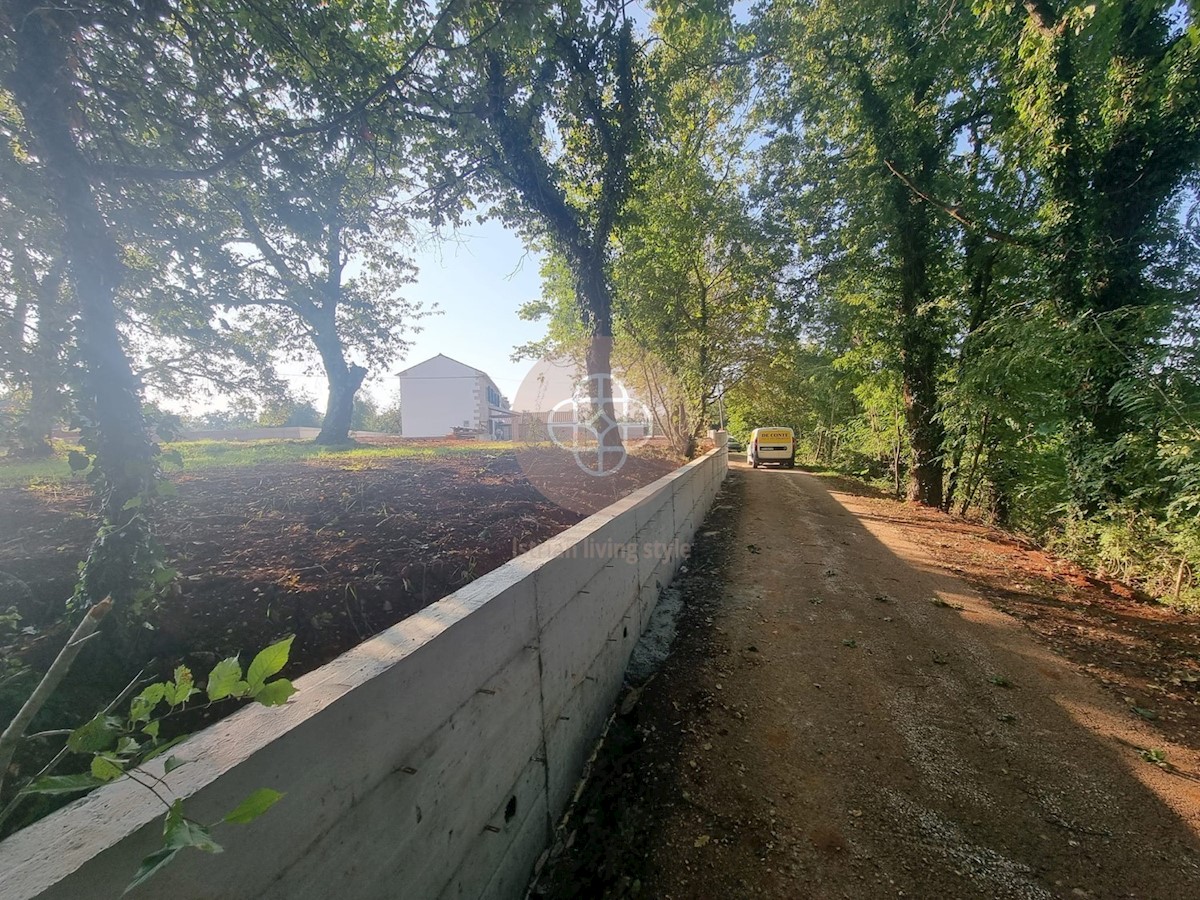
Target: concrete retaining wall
[[428, 762]]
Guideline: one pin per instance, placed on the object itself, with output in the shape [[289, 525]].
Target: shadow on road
[[843, 717]]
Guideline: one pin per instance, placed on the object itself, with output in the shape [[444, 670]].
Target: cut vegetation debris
[[332, 547]]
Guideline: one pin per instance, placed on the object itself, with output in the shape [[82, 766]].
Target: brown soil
[[329, 551], [869, 699]]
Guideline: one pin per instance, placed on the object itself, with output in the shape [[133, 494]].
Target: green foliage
[[253, 806], [287, 411], [1031, 183], [121, 745], [368, 416]]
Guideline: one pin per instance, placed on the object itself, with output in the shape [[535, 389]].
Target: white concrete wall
[[431, 761]]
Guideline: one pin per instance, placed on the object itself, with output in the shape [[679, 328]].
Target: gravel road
[[848, 719]]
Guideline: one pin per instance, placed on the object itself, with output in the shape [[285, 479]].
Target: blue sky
[[478, 282], [478, 279]]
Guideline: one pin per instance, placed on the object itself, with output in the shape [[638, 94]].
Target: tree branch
[[50, 681], [959, 216]]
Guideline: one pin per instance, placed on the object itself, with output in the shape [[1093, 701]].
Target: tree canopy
[[954, 246]]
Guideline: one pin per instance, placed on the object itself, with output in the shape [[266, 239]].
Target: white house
[[441, 394]]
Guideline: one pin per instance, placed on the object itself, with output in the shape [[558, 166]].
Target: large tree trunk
[[123, 456], [38, 363], [911, 245], [339, 410], [45, 369], [344, 382], [586, 249], [920, 346], [595, 301], [925, 431], [979, 262], [600, 397]]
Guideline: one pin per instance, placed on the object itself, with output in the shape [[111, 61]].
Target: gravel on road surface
[[843, 716]]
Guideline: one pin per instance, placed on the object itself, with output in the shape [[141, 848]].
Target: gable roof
[[474, 372], [445, 357]]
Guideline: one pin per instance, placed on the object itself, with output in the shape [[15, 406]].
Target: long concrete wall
[[431, 761]]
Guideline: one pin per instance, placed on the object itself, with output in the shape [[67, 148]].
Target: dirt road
[[845, 718]]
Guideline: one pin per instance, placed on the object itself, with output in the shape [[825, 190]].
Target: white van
[[771, 445]]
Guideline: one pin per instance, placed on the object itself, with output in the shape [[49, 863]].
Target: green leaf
[[153, 693], [127, 746], [173, 763], [276, 693], [143, 704], [164, 575], [223, 680], [62, 784], [150, 866], [98, 734], [106, 768], [1157, 757], [254, 806], [182, 689], [133, 502], [267, 663], [186, 833], [1145, 713]]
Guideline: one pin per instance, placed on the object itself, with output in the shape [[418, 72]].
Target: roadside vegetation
[[955, 246], [200, 456]]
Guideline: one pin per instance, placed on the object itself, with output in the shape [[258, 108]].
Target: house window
[[493, 396]]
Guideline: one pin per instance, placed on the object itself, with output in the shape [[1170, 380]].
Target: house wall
[[437, 396], [431, 761]]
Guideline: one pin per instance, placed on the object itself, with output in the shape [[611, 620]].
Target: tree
[[1103, 94], [546, 104], [1037, 163], [879, 120], [35, 308], [289, 411], [131, 94], [695, 273], [305, 216], [39, 77]]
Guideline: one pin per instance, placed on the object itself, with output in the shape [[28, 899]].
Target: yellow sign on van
[[772, 435]]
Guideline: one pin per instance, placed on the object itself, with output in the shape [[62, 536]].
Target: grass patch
[[200, 456], [15, 472], [819, 470]]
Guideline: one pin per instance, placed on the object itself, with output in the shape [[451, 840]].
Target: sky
[[478, 282]]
